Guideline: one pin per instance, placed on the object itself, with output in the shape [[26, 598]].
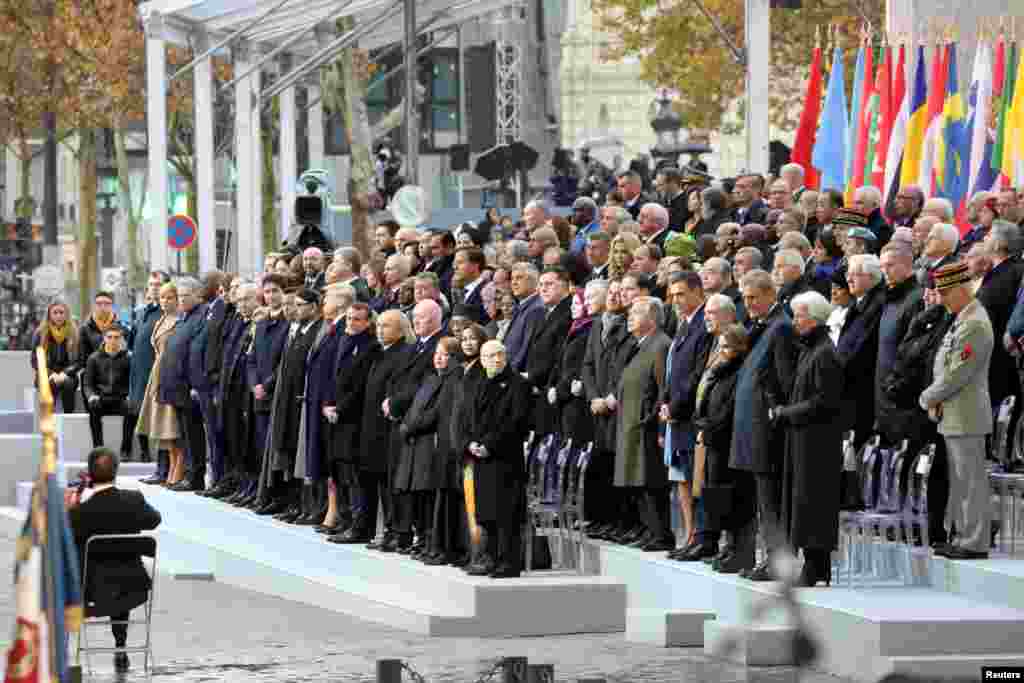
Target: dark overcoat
[[375, 427], [602, 366], [271, 335], [320, 385], [421, 467], [686, 361], [575, 419], [174, 363], [998, 294], [814, 446], [858, 353], [353, 355], [764, 381], [290, 386], [499, 421]]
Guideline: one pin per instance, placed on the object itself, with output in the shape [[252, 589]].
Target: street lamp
[[667, 126]]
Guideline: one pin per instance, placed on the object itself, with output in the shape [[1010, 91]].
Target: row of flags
[[892, 133]]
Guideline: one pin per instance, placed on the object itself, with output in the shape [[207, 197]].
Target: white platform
[[864, 633], [74, 438], [16, 369], [19, 461], [202, 536]]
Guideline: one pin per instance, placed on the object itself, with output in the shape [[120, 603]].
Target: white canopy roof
[[285, 18]]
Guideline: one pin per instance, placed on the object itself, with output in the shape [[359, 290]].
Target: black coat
[[375, 427], [463, 399], [218, 312], [542, 359], [90, 339], [713, 416], [900, 416], [406, 382], [790, 291], [271, 335], [290, 388], [422, 465], [351, 366], [678, 211], [764, 381], [858, 353], [499, 421], [116, 583], [59, 358], [320, 385], [575, 419], [998, 294], [814, 446], [107, 376], [757, 213], [602, 367], [686, 362]]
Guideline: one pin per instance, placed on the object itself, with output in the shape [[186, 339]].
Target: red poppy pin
[[966, 353]]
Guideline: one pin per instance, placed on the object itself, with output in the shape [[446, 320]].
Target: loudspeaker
[[459, 157]]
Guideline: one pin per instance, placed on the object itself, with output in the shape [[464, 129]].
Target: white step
[[675, 628], [749, 645]]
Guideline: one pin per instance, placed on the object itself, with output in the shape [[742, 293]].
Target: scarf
[[58, 334], [111, 350], [104, 323]]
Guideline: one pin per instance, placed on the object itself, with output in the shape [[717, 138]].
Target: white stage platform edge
[[864, 632]]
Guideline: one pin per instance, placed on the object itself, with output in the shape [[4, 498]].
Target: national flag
[[856, 107], [898, 133], [803, 147], [951, 170], [1013, 149], [917, 124], [933, 131], [1004, 87], [979, 139], [862, 125], [829, 154], [886, 118], [48, 590]]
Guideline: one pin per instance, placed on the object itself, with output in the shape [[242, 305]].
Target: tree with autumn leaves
[[678, 47]]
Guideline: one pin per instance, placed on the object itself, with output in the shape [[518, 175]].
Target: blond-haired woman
[[621, 258], [159, 421], [58, 336]]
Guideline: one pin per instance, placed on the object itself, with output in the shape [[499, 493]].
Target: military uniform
[[964, 413]]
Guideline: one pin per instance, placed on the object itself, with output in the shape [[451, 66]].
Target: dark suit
[[204, 374], [757, 212], [288, 396], [542, 360], [637, 204], [320, 385], [115, 583], [261, 369], [475, 300], [998, 294], [684, 373], [443, 267], [175, 365], [529, 312], [375, 434], [678, 211]]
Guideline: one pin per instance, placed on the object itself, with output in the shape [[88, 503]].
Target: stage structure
[[293, 38]]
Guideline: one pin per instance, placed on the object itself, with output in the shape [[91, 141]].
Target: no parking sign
[[181, 232]]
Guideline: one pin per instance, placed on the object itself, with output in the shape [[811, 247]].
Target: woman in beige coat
[[159, 421]]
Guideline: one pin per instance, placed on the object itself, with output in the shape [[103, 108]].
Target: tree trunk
[[87, 246], [136, 268], [352, 104], [192, 253], [269, 212], [25, 205]]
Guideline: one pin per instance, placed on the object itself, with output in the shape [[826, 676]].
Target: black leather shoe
[[155, 480], [350, 537], [504, 572], [121, 662], [763, 572], [289, 514], [942, 549], [642, 540], [436, 560], [733, 564], [481, 569], [274, 507], [698, 552], [460, 561], [658, 546], [183, 487], [959, 553]]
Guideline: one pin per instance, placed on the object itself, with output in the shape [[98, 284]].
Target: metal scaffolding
[[509, 76]]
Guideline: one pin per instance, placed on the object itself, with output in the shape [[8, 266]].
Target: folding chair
[[118, 544]]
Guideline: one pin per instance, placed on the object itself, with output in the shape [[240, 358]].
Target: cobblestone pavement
[[205, 631]]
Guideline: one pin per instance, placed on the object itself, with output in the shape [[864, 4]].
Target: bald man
[[313, 266], [493, 444]]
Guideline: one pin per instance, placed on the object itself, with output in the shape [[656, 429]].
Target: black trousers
[[450, 532], [112, 406], [193, 434], [653, 504], [505, 543], [599, 493], [120, 631], [65, 395], [769, 509], [938, 493], [374, 486]]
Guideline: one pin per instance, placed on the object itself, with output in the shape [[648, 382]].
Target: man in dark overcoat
[[278, 471], [375, 426], [143, 357], [498, 425], [858, 345], [764, 382], [546, 345], [426, 321]]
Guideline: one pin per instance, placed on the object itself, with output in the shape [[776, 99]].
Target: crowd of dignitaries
[[714, 342]]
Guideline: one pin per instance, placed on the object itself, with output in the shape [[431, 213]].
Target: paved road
[[205, 631]]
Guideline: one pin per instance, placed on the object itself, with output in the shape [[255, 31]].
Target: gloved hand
[[552, 396], [576, 387]]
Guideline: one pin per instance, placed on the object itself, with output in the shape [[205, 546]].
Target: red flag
[[998, 86], [886, 118], [808, 130], [864, 124]]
